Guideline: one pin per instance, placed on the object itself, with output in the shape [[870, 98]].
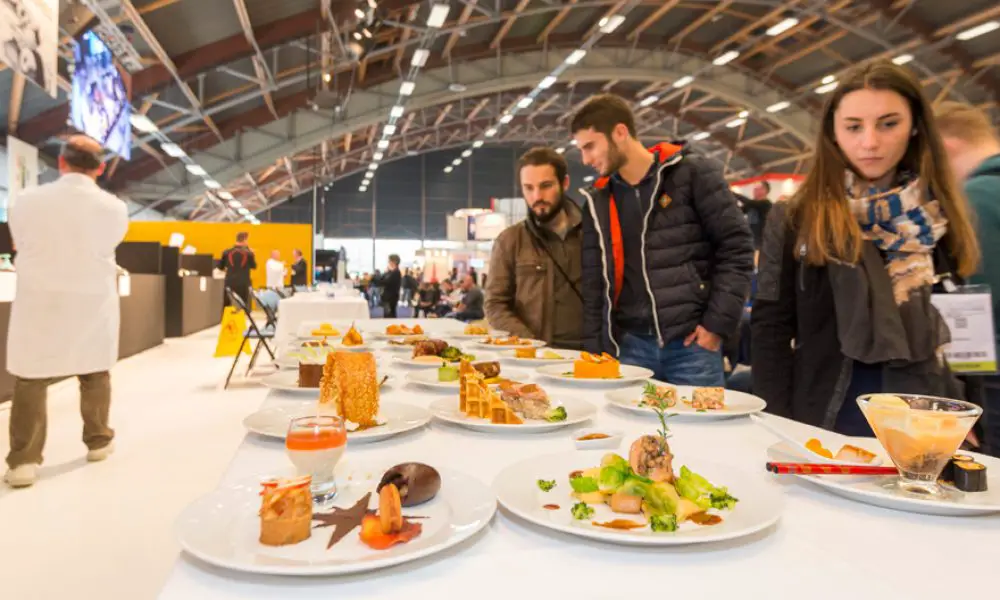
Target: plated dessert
[[593, 366], [404, 330], [350, 387], [325, 330], [690, 402], [353, 338], [510, 405], [510, 342], [436, 351]]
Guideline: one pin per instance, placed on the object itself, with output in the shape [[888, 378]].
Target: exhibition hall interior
[[534, 298]]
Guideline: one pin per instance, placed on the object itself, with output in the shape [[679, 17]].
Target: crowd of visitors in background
[[458, 295]]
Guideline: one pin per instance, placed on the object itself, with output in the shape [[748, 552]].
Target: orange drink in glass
[[315, 445]]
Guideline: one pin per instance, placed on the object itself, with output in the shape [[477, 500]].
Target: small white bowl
[[613, 440]]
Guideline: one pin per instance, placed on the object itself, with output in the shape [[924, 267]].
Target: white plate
[[307, 327], [459, 334], [397, 418], [564, 372], [429, 378], [759, 507], [334, 344], [288, 381], [577, 411], [222, 528], [870, 490], [286, 362], [479, 344], [408, 361], [738, 404], [832, 441], [565, 355]]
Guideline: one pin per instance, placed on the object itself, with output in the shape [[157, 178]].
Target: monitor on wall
[[99, 102]]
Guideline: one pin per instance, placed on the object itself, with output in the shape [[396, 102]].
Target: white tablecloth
[[345, 307], [823, 547]]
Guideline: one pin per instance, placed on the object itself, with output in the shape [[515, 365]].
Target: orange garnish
[[371, 533], [816, 446]]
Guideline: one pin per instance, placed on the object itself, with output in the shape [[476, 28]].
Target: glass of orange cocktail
[[920, 434], [315, 445]]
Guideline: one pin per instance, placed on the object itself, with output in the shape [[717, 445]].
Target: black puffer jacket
[[697, 248]]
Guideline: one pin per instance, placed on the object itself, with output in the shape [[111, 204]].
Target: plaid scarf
[[905, 223]]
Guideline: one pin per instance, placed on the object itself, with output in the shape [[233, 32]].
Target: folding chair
[[267, 300], [252, 333]]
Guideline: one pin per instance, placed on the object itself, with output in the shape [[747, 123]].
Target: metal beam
[[556, 20], [505, 28], [259, 64], [704, 18], [653, 18], [16, 100]]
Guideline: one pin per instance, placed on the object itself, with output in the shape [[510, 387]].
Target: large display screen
[[99, 106]]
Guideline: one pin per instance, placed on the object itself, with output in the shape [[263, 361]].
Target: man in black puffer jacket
[[667, 253]]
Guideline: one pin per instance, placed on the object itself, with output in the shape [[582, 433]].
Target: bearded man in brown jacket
[[533, 289]]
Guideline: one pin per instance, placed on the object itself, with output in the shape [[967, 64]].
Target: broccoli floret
[[546, 485], [451, 353], [556, 414], [663, 522], [584, 485], [721, 499], [582, 512]]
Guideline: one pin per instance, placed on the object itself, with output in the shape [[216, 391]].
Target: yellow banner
[[234, 324]]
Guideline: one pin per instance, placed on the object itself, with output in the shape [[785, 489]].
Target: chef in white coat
[[65, 317]]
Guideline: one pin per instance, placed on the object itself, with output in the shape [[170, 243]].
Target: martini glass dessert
[[920, 434], [315, 445]]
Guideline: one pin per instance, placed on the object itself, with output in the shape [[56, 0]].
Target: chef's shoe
[[22, 476], [101, 453]]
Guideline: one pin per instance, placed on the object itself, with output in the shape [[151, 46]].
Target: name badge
[[969, 314]]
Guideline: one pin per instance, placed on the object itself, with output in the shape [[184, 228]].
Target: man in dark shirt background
[[756, 210], [237, 262], [300, 275], [391, 282]]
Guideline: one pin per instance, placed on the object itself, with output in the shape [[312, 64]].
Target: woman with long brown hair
[[848, 267]]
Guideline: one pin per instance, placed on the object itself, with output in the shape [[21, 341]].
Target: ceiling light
[[609, 24], [196, 170], [736, 123], [978, 30], [560, 150], [406, 88], [490, 132], [725, 58], [372, 4], [902, 59], [327, 77], [363, 189], [449, 169], [778, 106], [457, 162], [588, 178], [683, 81], [212, 184], [243, 211], [382, 144], [235, 203], [439, 12], [358, 36], [477, 144], [506, 118], [373, 166], [829, 79], [467, 153], [649, 101], [224, 194], [575, 57], [743, 114], [701, 135], [172, 149], [525, 102], [458, 88], [782, 27], [397, 111], [823, 89], [359, 13], [143, 123], [389, 130], [546, 83], [377, 156], [420, 57]]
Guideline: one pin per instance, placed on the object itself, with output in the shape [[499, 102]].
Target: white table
[[824, 546], [346, 306]]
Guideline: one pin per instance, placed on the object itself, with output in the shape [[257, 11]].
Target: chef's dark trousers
[[29, 418]]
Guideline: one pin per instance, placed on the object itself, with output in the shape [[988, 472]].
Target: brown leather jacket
[[526, 294]]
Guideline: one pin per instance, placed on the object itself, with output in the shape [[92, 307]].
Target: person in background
[[475, 275], [534, 291], [65, 317], [471, 306], [427, 298], [667, 254], [454, 275], [409, 287], [275, 271], [446, 298], [756, 210], [391, 284], [973, 147], [848, 266], [237, 262], [300, 270]]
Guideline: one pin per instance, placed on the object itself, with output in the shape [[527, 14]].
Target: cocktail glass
[[314, 445], [920, 434]]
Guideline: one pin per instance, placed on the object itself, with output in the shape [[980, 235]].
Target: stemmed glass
[[315, 445]]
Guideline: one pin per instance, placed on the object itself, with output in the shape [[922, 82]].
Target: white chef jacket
[[65, 317], [275, 274]]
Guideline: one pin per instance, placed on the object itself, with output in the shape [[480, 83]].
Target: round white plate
[[870, 490], [222, 528], [429, 378], [577, 411], [738, 404], [286, 362], [408, 361], [398, 418], [480, 344], [760, 502], [334, 344], [564, 372], [288, 381], [459, 334], [564, 355]]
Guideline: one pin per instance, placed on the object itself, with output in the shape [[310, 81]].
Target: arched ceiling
[[231, 81]]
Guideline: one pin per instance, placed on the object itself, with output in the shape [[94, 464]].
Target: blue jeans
[[674, 363]]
